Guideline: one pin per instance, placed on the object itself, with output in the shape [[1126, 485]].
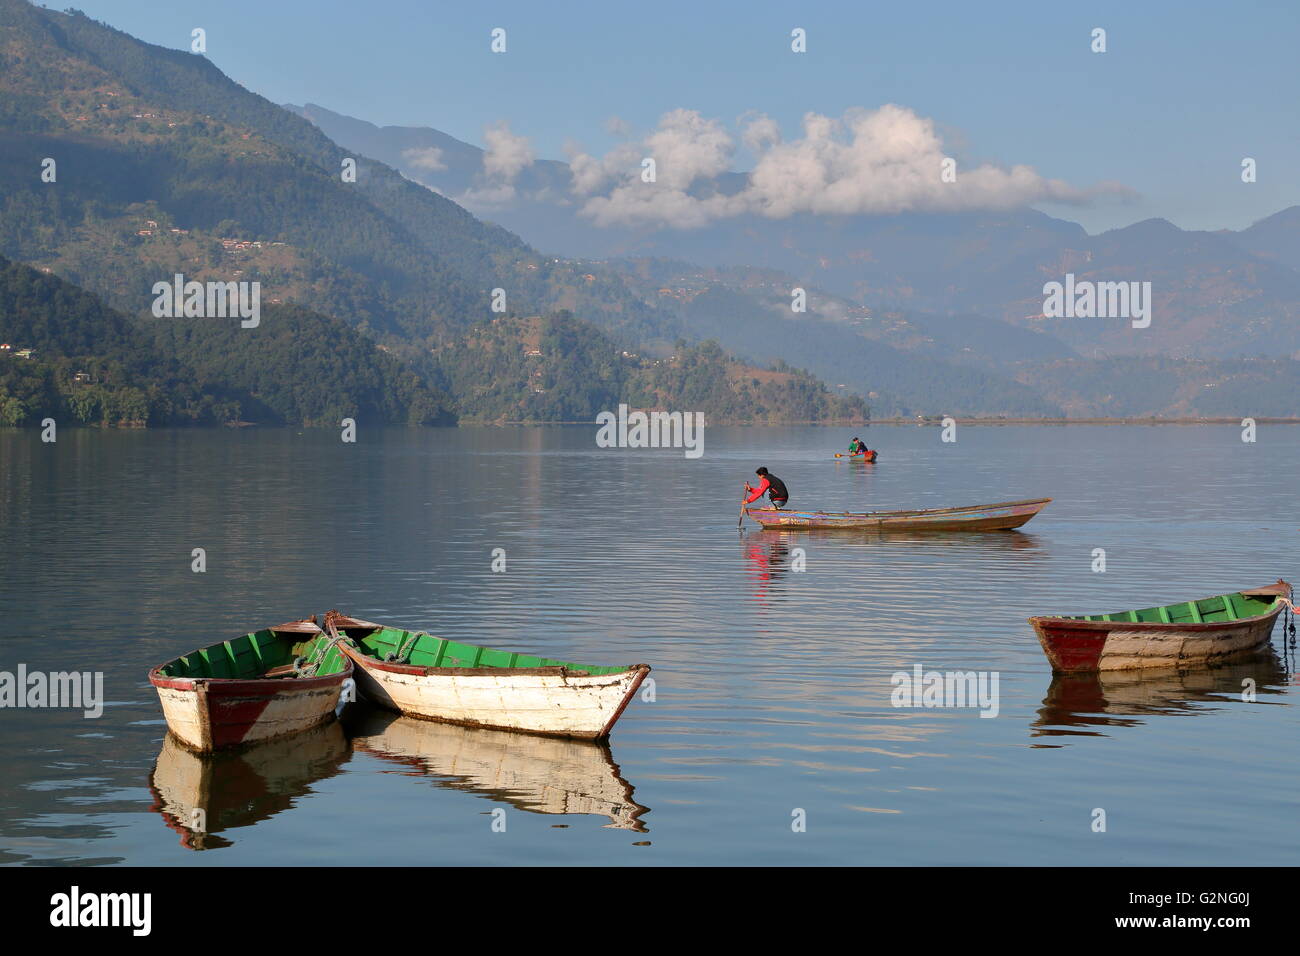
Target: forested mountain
[[65, 355], [84, 363], [141, 133], [558, 368], [162, 165], [144, 134]]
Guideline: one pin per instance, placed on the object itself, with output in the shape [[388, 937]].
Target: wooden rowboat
[[270, 683], [868, 457], [430, 677], [1189, 634], [527, 771], [999, 517]]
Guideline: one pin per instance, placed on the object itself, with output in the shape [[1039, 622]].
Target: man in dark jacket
[[772, 485]]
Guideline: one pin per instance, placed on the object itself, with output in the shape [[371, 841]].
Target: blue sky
[[1184, 92]]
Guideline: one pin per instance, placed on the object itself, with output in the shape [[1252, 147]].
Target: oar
[[740, 522]]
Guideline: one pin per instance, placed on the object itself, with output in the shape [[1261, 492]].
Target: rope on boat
[[1289, 612], [402, 655], [1288, 628], [307, 667], [1288, 619]]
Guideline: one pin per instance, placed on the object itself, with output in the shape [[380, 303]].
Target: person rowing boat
[[770, 484], [858, 449]]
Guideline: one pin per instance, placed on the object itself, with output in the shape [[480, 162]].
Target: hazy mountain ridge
[[166, 165], [1222, 294]]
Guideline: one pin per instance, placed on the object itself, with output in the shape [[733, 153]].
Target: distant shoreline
[[1260, 420], [854, 423], [937, 422]]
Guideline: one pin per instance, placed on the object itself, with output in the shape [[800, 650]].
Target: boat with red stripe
[[1185, 634], [270, 683]]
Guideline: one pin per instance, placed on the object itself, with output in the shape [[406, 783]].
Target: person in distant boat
[[859, 447], [770, 484]]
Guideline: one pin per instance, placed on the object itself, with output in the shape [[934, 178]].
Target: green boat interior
[[263, 653], [424, 650], [1212, 610]]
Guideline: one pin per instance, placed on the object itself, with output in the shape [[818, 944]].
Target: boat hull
[[1073, 649], [228, 695], [1003, 516], [546, 700], [207, 714], [1075, 646]]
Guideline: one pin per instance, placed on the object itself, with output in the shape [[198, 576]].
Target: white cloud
[[592, 173], [761, 132], [507, 155], [424, 157], [867, 162], [687, 147], [488, 198]]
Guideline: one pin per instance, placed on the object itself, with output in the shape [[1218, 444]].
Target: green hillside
[[90, 364], [166, 166], [558, 368]]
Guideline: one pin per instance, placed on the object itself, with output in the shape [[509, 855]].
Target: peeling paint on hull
[[247, 690], [214, 714], [562, 704], [1074, 645], [1072, 650]]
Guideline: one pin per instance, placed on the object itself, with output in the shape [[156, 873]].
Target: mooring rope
[[309, 666]]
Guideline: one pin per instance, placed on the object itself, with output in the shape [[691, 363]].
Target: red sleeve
[[758, 492]]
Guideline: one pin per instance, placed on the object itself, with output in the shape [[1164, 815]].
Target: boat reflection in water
[[529, 772], [993, 541], [767, 556], [1077, 704], [200, 796]]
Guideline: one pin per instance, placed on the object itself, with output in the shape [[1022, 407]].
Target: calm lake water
[[772, 684]]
